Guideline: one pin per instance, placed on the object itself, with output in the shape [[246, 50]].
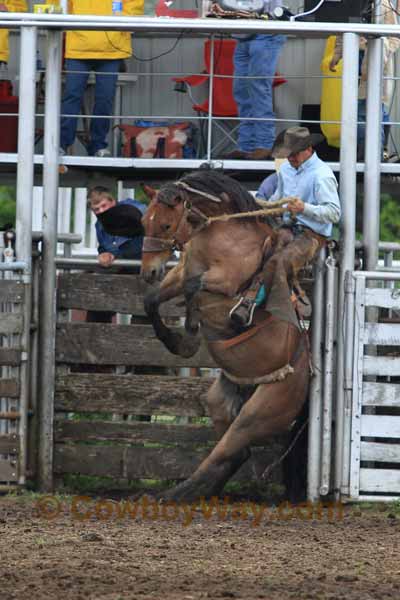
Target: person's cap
[[123, 219], [294, 139]]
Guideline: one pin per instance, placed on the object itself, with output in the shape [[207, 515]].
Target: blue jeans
[[75, 85], [256, 57], [362, 116]]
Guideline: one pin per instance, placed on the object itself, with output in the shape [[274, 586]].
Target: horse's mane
[[214, 183]]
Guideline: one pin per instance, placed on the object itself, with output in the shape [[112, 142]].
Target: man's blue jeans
[[362, 117], [75, 84], [256, 57]]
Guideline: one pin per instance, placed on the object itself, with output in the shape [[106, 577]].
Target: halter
[[152, 244]]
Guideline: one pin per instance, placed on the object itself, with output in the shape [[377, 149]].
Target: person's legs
[[241, 95], [106, 83], [75, 85], [264, 55], [362, 117]]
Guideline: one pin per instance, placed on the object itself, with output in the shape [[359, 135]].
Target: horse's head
[[166, 230]]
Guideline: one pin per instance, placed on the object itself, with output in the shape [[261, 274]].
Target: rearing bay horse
[[265, 368]]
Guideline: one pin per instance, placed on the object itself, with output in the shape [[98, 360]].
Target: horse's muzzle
[[152, 272]]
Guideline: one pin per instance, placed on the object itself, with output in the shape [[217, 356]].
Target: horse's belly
[[259, 351]]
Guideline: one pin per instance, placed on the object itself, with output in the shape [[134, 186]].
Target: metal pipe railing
[[193, 26], [47, 319], [348, 161]]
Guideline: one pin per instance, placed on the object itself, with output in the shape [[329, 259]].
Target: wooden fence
[[12, 296], [129, 374]]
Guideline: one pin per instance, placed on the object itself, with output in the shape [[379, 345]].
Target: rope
[[276, 462], [255, 213], [188, 188]]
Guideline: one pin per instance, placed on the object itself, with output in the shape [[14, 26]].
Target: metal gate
[[375, 419]]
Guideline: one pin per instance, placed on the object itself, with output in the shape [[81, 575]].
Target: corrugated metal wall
[[153, 92]]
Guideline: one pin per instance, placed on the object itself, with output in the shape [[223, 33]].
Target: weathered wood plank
[[381, 394], [149, 463], [382, 334], [8, 470], [118, 293], [104, 344], [386, 298], [133, 432], [380, 426], [10, 356], [9, 388], [380, 480], [380, 452], [381, 365], [10, 323], [12, 291], [132, 394], [9, 444]]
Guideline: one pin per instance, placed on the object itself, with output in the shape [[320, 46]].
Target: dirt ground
[[71, 547]]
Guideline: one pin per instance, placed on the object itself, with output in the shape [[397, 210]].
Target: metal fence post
[[348, 164], [49, 249], [26, 145], [314, 419], [373, 151]]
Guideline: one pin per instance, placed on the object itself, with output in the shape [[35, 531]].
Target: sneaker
[[103, 153], [62, 152]]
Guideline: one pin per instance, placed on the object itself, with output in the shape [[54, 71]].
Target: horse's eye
[[165, 227]]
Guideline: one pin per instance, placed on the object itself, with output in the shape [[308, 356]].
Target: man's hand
[[295, 206], [333, 64], [3, 7], [106, 259]]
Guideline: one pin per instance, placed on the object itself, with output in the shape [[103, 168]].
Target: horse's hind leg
[[270, 410], [224, 400]]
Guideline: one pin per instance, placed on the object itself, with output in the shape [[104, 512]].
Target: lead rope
[[278, 461], [264, 212]]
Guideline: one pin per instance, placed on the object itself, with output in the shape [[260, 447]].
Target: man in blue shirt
[[313, 207], [111, 247]]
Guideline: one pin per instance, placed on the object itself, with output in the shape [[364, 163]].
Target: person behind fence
[[255, 60], [390, 46], [102, 52], [312, 209], [111, 247], [8, 6]]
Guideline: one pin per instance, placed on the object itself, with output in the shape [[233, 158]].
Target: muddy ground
[[82, 548]]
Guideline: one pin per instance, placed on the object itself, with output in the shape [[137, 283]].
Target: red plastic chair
[[162, 10], [223, 103]]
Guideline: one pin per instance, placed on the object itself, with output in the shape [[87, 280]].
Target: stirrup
[[248, 305]]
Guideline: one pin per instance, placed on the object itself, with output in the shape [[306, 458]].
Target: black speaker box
[[311, 112], [339, 11]]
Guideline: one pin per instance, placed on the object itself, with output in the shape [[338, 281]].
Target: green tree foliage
[[390, 219], [7, 205]]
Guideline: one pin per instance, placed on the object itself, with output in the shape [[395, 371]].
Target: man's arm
[[327, 210]]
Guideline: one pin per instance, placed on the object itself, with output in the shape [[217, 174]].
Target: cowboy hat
[[294, 139]]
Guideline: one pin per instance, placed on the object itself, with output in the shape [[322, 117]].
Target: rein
[[152, 244]]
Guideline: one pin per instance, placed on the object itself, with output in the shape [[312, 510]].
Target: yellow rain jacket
[[13, 6], [100, 44]]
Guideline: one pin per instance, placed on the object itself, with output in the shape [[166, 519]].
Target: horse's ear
[[150, 192], [225, 197], [123, 219]]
